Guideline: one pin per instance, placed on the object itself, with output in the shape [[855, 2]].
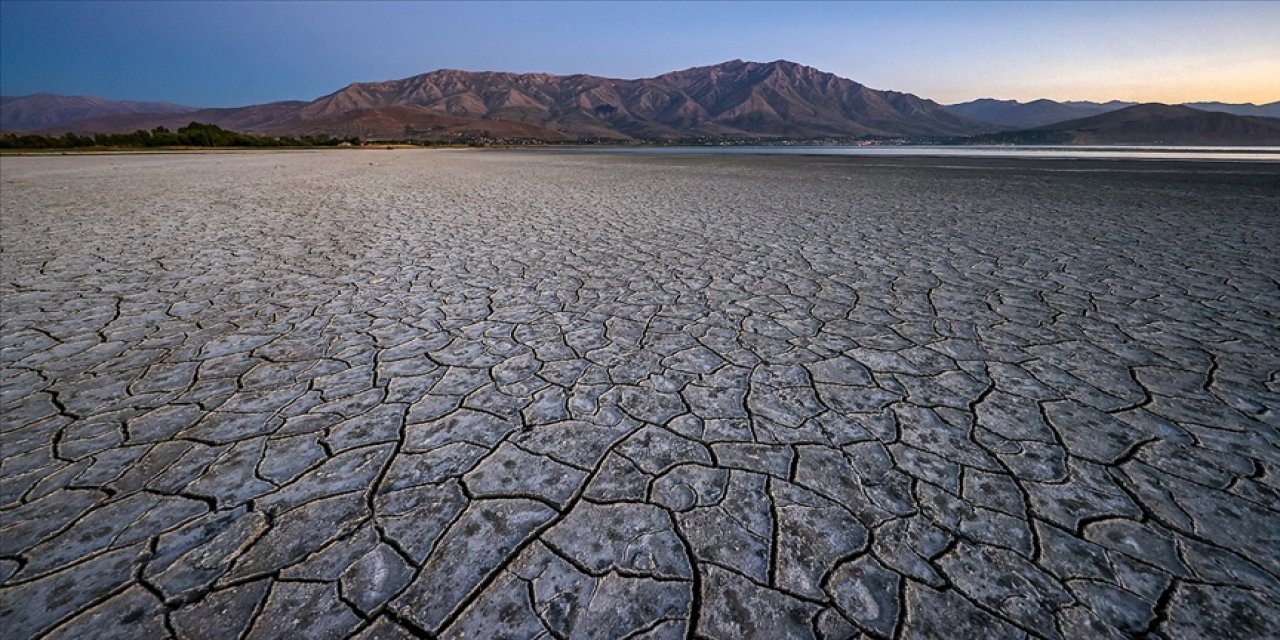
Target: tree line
[[196, 134]]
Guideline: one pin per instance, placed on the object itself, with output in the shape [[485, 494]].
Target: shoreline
[[185, 150], [1258, 155]]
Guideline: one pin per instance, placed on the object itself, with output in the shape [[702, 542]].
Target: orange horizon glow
[[1256, 81]]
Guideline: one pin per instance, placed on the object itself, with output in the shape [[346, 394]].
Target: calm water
[[1250, 154]]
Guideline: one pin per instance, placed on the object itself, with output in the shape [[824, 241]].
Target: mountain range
[[732, 100], [1011, 114]]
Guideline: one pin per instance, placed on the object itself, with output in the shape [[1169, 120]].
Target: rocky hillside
[[729, 100]]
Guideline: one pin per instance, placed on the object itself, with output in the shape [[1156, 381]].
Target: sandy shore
[[505, 394]]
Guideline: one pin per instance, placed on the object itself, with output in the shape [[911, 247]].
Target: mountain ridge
[[732, 100], [1013, 114], [1149, 123], [43, 110]]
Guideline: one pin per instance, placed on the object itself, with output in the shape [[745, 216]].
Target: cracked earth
[[497, 394]]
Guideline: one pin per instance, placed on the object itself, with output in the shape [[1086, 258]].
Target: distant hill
[[730, 100], [1011, 114], [1149, 124], [1269, 110], [46, 110]]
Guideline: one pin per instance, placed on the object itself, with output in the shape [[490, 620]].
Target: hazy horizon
[[232, 54]]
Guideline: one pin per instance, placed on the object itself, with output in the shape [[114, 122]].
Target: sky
[[237, 53]]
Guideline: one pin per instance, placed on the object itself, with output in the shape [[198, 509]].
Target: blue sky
[[234, 53]]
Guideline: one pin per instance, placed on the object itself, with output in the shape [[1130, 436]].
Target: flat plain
[[510, 394]]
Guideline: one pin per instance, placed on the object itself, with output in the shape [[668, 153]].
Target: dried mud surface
[[501, 394]]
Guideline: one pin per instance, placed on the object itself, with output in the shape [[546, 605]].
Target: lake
[[1250, 154]]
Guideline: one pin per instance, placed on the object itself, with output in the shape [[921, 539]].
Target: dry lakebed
[[511, 394]]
